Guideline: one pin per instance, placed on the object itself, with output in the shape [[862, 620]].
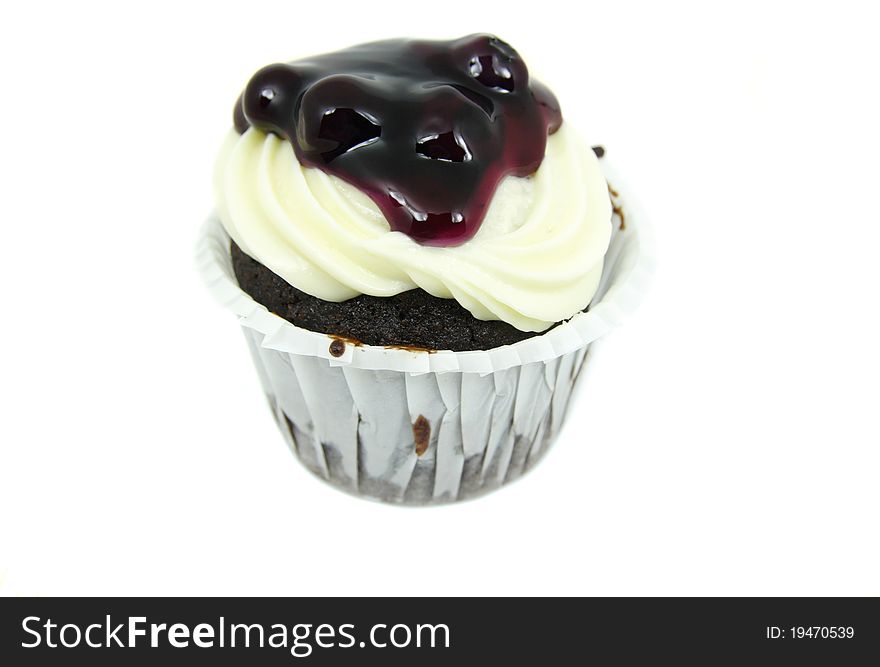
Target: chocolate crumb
[[617, 207], [618, 210], [337, 348], [421, 434], [599, 151], [411, 348]]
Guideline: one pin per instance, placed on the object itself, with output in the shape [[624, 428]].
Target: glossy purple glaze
[[427, 129]]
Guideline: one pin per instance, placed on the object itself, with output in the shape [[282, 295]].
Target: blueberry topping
[[348, 129], [444, 146], [266, 96], [492, 73], [426, 129]]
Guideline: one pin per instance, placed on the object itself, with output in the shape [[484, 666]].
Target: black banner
[[448, 631]]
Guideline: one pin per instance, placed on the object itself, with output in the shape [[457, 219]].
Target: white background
[[726, 439]]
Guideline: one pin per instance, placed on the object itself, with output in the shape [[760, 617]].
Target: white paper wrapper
[[417, 427]]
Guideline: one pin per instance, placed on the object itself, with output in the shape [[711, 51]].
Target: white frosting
[[535, 260]]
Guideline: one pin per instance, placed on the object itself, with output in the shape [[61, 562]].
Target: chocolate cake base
[[409, 319]]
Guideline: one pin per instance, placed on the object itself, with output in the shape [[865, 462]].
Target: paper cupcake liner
[[418, 427]]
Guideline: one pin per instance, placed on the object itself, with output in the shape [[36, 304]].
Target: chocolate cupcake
[[417, 245]]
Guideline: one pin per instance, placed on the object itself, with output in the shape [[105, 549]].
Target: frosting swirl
[[535, 260]]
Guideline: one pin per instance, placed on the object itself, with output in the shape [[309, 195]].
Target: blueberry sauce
[[427, 129]]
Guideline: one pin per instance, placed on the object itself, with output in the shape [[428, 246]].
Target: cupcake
[[420, 252]]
